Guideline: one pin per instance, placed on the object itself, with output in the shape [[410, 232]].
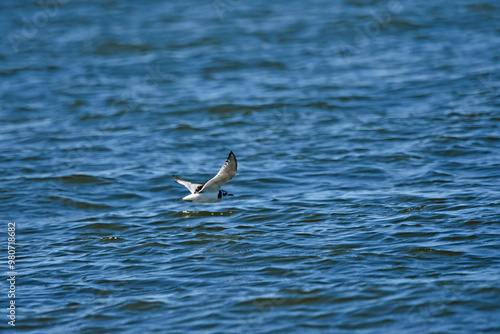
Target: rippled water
[[367, 133]]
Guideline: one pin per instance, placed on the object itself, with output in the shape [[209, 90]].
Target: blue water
[[367, 133]]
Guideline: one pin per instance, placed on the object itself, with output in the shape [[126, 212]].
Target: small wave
[[186, 214], [110, 239], [140, 305], [417, 250], [79, 204], [82, 178], [271, 302], [418, 208], [113, 47], [482, 7], [102, 226], [186, 127]]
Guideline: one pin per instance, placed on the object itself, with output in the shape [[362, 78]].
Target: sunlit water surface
[[367, 198]]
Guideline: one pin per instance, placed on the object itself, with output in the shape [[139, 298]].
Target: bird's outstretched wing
[[193, 187], [226, 173]]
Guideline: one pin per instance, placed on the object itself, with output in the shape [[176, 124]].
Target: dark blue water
[[367, 198]]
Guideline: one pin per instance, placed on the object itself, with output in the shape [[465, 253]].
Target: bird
[[210, 192]]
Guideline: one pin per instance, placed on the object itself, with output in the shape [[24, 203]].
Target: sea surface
[[367, 134]]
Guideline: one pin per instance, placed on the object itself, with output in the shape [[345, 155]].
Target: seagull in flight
[[210, 192]]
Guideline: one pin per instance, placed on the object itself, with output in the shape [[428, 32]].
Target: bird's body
[[210, 192], [205, 197]]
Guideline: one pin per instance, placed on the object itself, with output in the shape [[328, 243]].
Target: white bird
[[210, 192]]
